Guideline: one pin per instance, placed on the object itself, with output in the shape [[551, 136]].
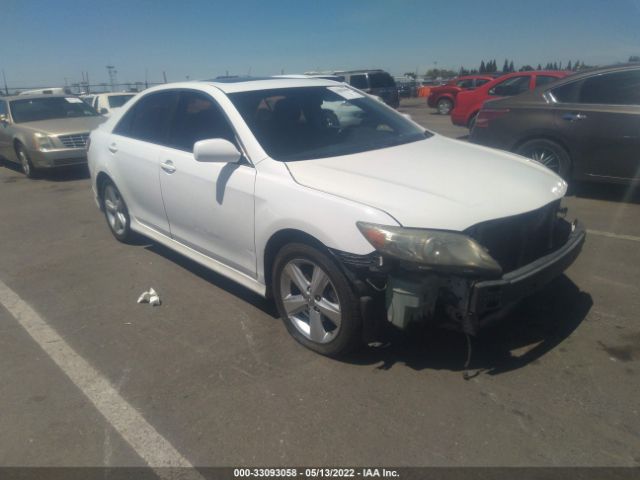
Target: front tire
[[444, 106], [548, 153], [25, 162], [116, 212], [315, 300]]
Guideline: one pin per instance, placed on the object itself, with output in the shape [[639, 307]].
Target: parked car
[[104, 103], [468, 103], [444, 97], [48, 91], [585, 127], [374, 82], [45, 131], [260, 182]]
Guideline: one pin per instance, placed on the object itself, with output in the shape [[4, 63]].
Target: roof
[[36, 95], [245, 84]]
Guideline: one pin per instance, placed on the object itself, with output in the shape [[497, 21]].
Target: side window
[[567, 93], [481, 81], [618, 88], [359, 81], [198, 117], [544, 79], [511, 86], [3, 108], [465, 83], [149, 118]]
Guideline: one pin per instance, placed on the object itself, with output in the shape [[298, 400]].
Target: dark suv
[[585, 127], [374, 82]]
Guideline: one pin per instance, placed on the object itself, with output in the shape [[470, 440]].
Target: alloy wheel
[[310, 300], [546, 157], [115, 210]]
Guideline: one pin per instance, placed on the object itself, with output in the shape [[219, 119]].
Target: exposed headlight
[[43, 142], [434, 249]]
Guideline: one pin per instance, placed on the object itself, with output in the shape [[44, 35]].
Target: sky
[[46, 43]]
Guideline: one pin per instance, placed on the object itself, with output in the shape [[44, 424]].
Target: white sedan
[[349, 225]]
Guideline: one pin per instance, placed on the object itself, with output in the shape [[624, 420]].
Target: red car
[[468, 103], [444, 97]]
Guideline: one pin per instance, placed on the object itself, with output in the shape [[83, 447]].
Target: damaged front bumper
[[453, 301]]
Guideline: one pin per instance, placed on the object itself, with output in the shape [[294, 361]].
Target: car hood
[[435, 183], [62, 126]]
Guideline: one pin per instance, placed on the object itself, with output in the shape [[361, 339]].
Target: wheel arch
[[278, 240], [552, 138], [101, 179]]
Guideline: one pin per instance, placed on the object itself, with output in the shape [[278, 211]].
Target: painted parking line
[[154, 449], [614, 235]]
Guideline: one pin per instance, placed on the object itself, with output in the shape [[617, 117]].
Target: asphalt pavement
[[215, 378]]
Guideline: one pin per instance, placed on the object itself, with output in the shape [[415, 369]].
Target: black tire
[[559, 159], [444, 106], [342, 339], [25, 162], [118, 220], [472, 121]]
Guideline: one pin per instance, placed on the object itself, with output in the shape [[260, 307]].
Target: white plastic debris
[[151, 297]]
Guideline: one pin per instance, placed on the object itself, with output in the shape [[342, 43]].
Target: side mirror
[[216, 150], [103, 111]]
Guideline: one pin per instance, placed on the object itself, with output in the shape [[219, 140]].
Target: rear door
[[210, 206], [136, 145], [5, 131], [600, 117]]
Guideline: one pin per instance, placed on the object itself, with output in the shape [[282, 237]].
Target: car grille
[[518, 240], [77, 140]]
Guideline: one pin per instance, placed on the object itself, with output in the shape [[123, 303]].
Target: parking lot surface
[[213, 372]]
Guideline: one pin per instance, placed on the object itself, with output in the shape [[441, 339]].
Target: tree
[[634, 59], [569, 66], [505, 66], [511, 67], [527, 68], [483, 68], [539, 67]]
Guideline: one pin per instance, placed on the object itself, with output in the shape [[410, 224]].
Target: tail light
[[487, 114]]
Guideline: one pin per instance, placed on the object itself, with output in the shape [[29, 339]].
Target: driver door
[[210, 206]]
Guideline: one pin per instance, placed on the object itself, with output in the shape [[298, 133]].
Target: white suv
[[349, 226]]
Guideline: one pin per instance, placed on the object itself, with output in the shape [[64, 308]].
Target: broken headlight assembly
[[431, 249]]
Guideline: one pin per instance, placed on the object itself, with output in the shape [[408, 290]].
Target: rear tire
[[116, 212], [549, 153], [444, 106], [315, 300]]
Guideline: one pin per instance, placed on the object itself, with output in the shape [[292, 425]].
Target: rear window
[[381, 80], [359, 81], [118, 100]]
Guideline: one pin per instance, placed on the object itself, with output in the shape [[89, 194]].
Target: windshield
[[118, 100], [317, 122], [47, 108]]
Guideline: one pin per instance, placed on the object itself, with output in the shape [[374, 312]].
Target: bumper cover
[[60, 157], [492, 295]]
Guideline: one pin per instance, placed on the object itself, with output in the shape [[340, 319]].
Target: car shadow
[[267, 306], [538, 325], [60, 174], [607, 191]]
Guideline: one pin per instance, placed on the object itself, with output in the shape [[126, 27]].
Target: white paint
[[614, 235], [154, 449]]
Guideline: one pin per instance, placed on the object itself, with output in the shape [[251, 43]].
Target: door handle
[[570, 117], [167, 166], [113, 148]]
